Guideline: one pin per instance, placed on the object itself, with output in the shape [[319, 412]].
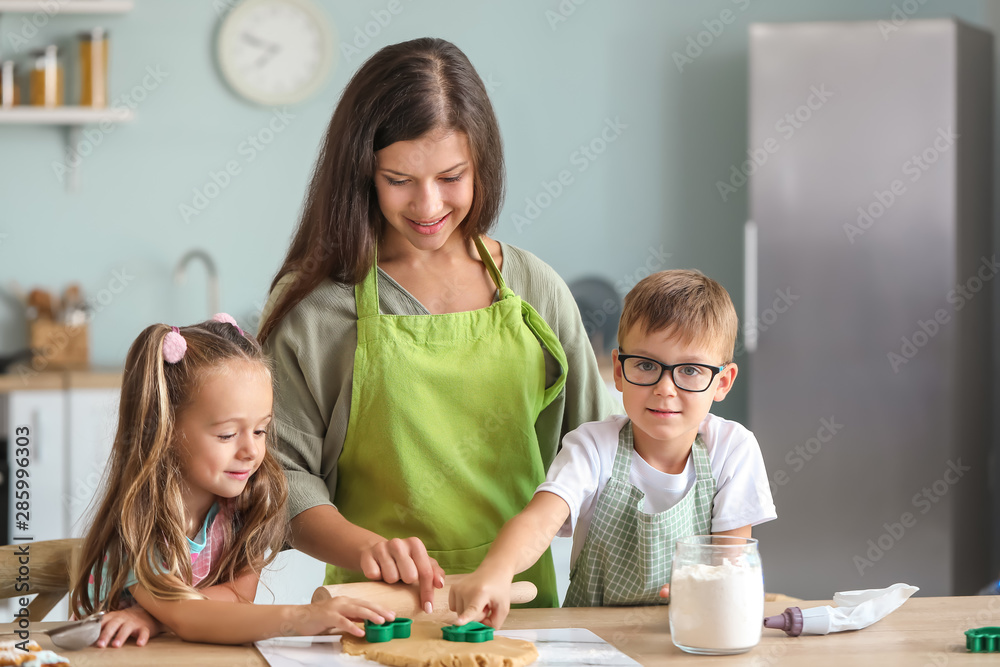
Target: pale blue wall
[[556, 85]]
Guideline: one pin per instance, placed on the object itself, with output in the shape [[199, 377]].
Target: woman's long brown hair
[[401, 93], [139, 522]]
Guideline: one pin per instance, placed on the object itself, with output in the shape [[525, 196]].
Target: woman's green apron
[[441, 442]]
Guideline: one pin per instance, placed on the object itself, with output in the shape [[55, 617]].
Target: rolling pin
[[404, 599]]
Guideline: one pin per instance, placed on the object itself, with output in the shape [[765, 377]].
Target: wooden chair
[[50, 566]]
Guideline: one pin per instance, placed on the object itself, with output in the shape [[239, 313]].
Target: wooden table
[[924, 632]]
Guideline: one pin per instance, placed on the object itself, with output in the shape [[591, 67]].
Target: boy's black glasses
[[646, 372]]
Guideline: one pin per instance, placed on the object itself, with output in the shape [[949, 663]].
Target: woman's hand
[[341, 613], [404, 560], [118, 626], [665, 592], [482, 596]]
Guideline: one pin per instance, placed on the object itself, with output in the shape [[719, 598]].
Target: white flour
[[717, 606]]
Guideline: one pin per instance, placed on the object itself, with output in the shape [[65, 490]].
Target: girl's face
[[424, 188], [221, 433]]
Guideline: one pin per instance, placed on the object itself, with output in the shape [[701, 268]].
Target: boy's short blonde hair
[[688, 304]]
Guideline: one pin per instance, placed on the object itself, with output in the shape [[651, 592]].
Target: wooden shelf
[[28, 115], [69, 6], [72, 118]]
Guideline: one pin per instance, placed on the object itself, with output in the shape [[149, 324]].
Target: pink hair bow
[[229, 319], [174, 346]]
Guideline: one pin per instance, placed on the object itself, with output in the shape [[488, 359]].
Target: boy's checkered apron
[[627, 555]]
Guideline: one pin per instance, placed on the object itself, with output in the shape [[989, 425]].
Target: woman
[[420, 398]]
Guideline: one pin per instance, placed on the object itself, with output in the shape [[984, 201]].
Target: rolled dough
[[426, 648]]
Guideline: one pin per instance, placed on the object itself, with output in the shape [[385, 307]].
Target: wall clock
[[276, 51]]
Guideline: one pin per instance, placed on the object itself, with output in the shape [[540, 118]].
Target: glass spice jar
[[45, 81], [10, 93], [94, 68]]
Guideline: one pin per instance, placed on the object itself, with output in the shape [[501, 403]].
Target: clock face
[[275, 51]]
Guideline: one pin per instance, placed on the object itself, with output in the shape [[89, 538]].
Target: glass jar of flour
[[716, 595]]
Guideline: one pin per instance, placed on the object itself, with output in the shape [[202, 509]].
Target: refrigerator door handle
[[750, 286]]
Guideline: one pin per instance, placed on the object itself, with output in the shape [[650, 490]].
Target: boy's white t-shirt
[[583, 466]]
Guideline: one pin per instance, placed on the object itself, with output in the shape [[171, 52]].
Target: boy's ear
[[619, 378], [726, 378]]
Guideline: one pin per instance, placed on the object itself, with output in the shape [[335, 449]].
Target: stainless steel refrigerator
[[869, 273]]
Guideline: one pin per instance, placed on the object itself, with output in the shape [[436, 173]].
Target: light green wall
[[556, 85]]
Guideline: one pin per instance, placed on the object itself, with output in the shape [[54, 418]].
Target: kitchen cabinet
[[38, 415], [70, 432], [70, 420], [43, 414], [93, 417]]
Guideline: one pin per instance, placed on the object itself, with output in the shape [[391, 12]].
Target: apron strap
[[491, 266], [623, 455], [366, 292], [702, 464]]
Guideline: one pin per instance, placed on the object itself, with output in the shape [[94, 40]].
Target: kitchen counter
[[924, 631], [89, 379]]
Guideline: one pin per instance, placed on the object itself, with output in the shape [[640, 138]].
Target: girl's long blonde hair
[[139, 521]]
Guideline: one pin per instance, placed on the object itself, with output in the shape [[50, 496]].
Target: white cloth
[[583, 465]]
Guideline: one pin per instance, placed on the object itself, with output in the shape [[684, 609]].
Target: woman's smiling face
[[424, 188]]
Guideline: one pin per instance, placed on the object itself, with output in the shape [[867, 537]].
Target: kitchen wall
[[667, 116]]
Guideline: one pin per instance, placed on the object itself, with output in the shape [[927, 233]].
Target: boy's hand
[[118, 626], [407, 561], [341, 613], [481, 596], [665, 591]]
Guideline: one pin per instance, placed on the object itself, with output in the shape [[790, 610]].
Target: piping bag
[[855, 610]]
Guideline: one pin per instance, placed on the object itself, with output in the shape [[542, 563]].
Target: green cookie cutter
[[983, 640], [470, 632], [377, 633]]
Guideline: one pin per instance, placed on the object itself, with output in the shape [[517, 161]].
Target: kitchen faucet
[[213, 276]]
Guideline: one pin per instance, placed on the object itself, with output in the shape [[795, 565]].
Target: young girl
[[194, 504]]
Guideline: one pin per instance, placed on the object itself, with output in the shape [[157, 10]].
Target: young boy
[[627, 488]]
